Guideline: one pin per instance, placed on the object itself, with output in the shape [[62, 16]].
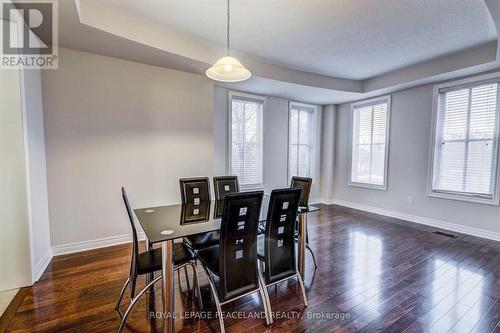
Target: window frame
[[235, 95], [450, 86], [313, 134], [376, 100]]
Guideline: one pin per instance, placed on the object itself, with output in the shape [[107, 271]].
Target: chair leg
[[264, 296], [122, 292], [216, 299], [197, 285], [179, 279], [302, 289], [134, 301], [188, 284], [312, 254]]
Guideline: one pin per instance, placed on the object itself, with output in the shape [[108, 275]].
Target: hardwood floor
[[375, 274], [9, 303]]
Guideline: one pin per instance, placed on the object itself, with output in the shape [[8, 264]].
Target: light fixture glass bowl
[[228, 69]]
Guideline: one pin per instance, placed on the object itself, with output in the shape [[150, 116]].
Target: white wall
[[36, 176], [275, 141], [327, 157], [21, 100], [110, 122], [408, 166], [221, 123], [15, 257]]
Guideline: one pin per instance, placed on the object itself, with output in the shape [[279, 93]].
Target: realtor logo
[[29, 34]]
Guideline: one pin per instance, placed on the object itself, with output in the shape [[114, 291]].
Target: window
[[369, 145], [302, 134], [246, 139], [465, 146]]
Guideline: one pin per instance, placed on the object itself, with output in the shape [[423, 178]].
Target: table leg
[[302, 244], [149, 277], [167, 285]]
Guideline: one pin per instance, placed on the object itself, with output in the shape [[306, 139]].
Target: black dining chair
[[149, 262], [224, 185], [195, 192], [231, 267], [276, 249], [304, 184]]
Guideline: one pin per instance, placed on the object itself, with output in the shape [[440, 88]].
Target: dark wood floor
[[375, 274]]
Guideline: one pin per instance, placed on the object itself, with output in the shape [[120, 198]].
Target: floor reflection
[[366, 269], [456, 287]]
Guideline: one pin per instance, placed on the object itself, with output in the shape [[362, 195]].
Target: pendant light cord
[[227, 28]]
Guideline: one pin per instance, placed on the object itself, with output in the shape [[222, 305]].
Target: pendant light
[[227, 68]]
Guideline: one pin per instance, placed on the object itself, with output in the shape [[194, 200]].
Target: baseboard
[[122, 239], [93, 244], [322, 201], [42, 265], [422, 220], [315, 201]]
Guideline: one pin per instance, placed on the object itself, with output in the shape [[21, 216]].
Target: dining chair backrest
[[224, 185], [238, 244], [195, 190], [305, 184], [279, 245], [135, 242]]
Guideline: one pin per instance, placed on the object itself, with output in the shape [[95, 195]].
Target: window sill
[[369, 186], [457, 197]]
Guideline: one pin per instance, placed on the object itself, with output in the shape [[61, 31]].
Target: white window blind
[[301, 157], [246, 140], [466, 142], [369, 143]]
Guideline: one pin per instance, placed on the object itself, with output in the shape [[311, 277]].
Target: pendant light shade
[[228, 69]]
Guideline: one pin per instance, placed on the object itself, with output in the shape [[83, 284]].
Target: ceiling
[[316, 51], [354, 39]]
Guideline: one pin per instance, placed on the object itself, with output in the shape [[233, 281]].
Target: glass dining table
[[164, 224]]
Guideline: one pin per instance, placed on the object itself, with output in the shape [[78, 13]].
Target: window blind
[[369, 138], [246, 140], [466, 141], [301, 156]]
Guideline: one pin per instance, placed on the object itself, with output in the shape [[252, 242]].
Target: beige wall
[[15, 258], [110, 122]]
